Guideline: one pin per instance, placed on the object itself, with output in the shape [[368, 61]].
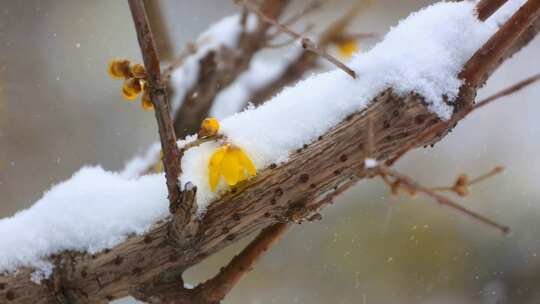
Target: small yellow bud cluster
[[134, 76]]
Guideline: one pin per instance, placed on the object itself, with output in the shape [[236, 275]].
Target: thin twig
[[215, 289], [307, 60], [312, 6], [307, 44], [462, 183], [412, 184], [158, 95], [271, 45], [443, 125]]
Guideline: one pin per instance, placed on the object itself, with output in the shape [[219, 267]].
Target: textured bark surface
[[149, 267]]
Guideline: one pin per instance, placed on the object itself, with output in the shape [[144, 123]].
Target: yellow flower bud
[[209, 127], [146, 102], [132, 88], [347, 48], [119, 68], [232, 163], [138, 71]]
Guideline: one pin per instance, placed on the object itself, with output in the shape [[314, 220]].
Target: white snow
[[97, 209], [224, 33], [93, 210], [138, 165], [370, 163]]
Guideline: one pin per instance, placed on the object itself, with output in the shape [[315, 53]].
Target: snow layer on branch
[[224, 33], [424, 53], [93, 210]]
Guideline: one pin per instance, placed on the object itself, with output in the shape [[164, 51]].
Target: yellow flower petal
[[347, 48], [146, 102], [229, 169], [131, 88], [232, 163], [214, 167], [246, 163], [138, 71]]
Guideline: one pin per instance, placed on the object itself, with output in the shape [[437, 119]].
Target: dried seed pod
[[461, 187]]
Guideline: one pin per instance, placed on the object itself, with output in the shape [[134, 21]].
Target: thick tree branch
[[158, 94]]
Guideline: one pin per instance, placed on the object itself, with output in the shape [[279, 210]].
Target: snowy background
[[59, 111]]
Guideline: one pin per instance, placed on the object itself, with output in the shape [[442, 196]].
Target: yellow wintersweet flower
[[232, 163], [209, 127], [138, 71], [132, 88], [119, 68], [146, 102], [347, 48]]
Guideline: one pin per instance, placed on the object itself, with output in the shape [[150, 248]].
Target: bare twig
[[311, 7], [273, 45], [307, 43], [215, 289], [307, 60], [462, 183], [414, 185], [158, 95]]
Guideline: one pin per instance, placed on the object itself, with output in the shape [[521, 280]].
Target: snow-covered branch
[[306, 143]]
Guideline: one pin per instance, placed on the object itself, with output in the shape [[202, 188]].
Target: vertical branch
[[158, 95]]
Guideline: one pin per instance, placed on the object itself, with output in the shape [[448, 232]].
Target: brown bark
[[158, 95]]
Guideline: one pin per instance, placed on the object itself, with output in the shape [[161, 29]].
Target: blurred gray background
[[59, 110]]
